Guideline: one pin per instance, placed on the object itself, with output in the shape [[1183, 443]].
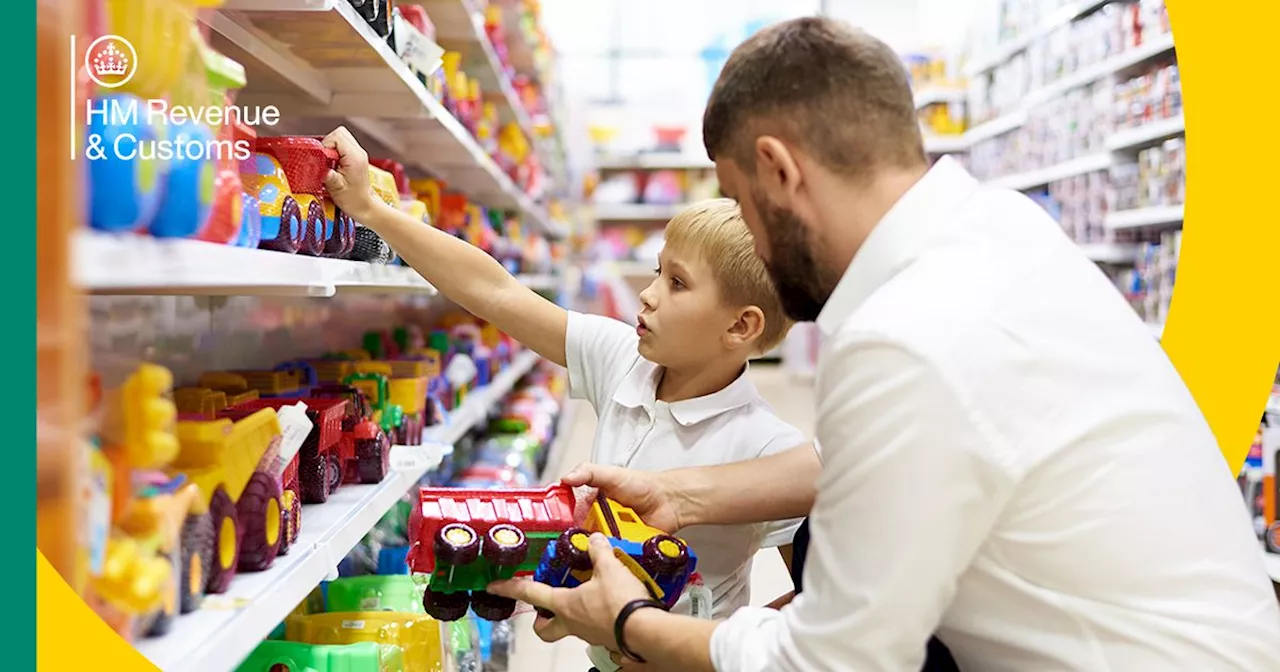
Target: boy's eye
[[677, 283]]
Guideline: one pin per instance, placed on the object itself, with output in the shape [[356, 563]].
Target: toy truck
[[407, 383], [465, 539], [365, 449], [376, 388], [316, 471], [224, 458], [284, 382], [662, 562], [298, 165]]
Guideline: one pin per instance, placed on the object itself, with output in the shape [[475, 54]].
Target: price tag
[[295, 426], [700, 601], [416, 458]]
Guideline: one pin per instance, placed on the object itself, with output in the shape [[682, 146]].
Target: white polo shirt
[[636, 430], [1010, 460]]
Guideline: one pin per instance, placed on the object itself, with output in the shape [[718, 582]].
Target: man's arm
[[776, 487], [460, 271]]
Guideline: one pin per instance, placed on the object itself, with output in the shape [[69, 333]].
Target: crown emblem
[[111, 62]]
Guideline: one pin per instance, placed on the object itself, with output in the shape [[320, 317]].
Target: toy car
[[662, 562], [465, 539], [272, 655]]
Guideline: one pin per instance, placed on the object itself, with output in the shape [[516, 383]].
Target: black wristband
[[621, 622]]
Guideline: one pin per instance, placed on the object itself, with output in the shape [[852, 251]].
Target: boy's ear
[[748, 327]]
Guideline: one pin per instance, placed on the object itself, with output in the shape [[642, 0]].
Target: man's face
[[784, 242]]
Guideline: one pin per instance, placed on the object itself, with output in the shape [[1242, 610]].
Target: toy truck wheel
[[573, 549], [505, 546], [492, 607], [226, 548], [197, 543], [259, 514], [457, 544], [1272, 539], [664, 555], [446, 606], [312, 241], [313, 473], [335, 473], [287, 236], [373, 459]]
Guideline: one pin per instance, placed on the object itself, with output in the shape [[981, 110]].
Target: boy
[[672, 392]]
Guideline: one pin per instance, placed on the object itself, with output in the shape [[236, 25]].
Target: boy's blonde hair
[[715, 231]]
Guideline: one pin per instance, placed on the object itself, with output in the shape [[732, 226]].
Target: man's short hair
[[836, 92], [715, 231]]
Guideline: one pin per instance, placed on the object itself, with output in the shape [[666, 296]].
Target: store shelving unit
[[1050, 23], [932, 95], [142, 265], [1146, 135], [1061, 171], [945, 144], [317, 60], [1159, 216], [219, 635]]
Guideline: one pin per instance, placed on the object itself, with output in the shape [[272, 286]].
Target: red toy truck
[[305, 162], [464, 539]]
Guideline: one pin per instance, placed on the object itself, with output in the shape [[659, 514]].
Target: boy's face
[[682, 322]]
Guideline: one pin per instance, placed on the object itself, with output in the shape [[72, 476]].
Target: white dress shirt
[[1012, 462], [637, 430]]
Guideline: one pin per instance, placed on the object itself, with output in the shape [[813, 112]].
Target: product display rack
[[354, 75], [220, 634]]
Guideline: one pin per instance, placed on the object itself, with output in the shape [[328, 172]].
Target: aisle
[[792, 401]]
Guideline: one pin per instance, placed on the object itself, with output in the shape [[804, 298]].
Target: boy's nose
[[647, 296]]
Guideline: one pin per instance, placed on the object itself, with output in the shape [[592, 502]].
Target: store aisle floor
[[792, 400]]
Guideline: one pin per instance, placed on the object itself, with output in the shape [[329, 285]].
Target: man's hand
[[588, 611], [649, 494], [349, 184]]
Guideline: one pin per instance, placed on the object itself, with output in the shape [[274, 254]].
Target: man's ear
[[776, 168], [748, 327]]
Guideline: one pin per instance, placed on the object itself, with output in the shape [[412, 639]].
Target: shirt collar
[[640, 390], [897, 239]]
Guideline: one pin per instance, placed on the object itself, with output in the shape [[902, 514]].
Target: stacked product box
[[1148, 98], [1149, 285], [1158, 178]]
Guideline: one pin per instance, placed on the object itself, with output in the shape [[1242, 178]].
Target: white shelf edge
[[636, 211], [943, 144], [258, 602], [1042, 176], [138, 264], [1110, 253], [1165, 215], [655, 161], [933, 94], [1146, 134]]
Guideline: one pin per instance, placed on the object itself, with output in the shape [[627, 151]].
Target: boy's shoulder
[[741, 412]]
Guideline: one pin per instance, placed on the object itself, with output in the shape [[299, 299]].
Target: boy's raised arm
[[462, 272]]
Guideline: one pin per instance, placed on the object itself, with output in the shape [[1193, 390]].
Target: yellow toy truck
[[225, 459]]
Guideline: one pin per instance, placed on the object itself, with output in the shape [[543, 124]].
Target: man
[[1008, 459]]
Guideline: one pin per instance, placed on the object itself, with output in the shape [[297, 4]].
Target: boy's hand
[[349, 184], [647, 493]]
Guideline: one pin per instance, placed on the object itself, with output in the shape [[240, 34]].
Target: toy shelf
[[133, 264], [1164, 216], [931, 95], [318, 60], [944, 144], [1038, 178], [1009, 49], [1121, 63], [460, 27], [228, 627]]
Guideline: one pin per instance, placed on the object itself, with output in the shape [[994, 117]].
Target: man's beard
[[803, 285]]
